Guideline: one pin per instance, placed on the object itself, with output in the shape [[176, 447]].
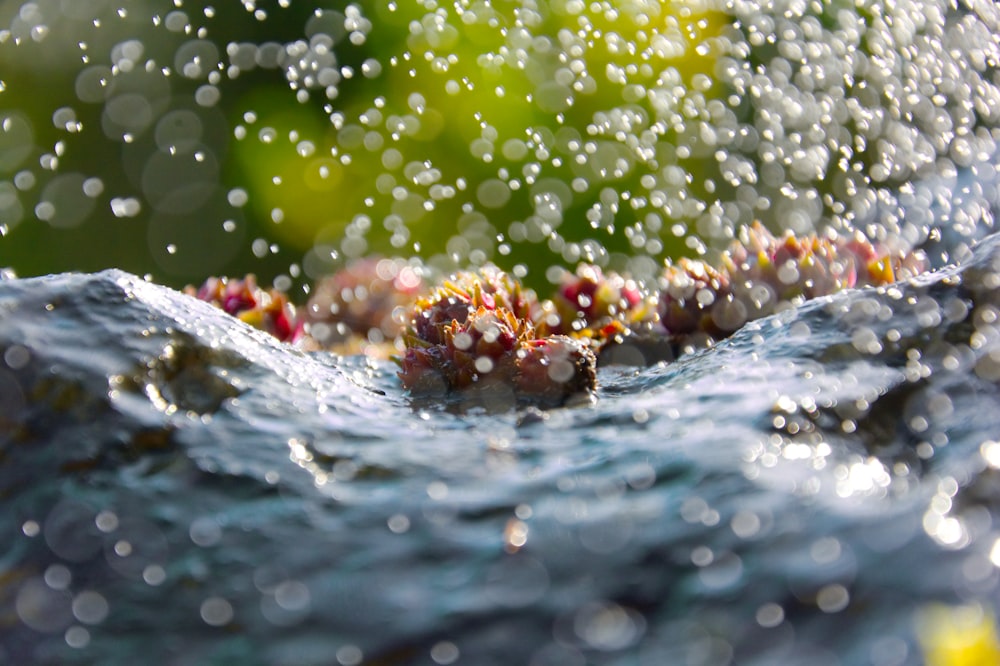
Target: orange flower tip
[[881, 271], [253, 317]]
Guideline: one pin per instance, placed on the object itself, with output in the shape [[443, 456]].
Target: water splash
[[463, 133]]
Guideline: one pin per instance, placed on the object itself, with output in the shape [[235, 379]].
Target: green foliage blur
[[432, 155], [44, 53], [286, 138]]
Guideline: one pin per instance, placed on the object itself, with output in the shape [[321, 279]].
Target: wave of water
[[178, 484]]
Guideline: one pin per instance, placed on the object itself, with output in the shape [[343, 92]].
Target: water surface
[[179, 484]]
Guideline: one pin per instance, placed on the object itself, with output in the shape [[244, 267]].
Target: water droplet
[[177, 21], [180, 131], [67, 200], [216, 612], [90, 607], [237, 197], [77, 637], [207, 95], [93, 187], [493, 193], [125, 207], [445, 653]]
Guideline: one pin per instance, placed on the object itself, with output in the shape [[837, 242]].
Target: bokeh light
[[529, 135]]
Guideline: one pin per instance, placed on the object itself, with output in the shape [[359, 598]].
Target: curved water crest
[[170, 472]]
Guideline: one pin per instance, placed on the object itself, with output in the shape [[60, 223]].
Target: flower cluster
[[462, 294], [593, 305], [363, 301], [482, 329], [761, 274], [267, 310], [477, 330]]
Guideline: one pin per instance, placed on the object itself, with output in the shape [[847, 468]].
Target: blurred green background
[[284, 138]]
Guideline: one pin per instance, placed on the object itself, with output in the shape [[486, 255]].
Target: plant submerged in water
[[481, 332]]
